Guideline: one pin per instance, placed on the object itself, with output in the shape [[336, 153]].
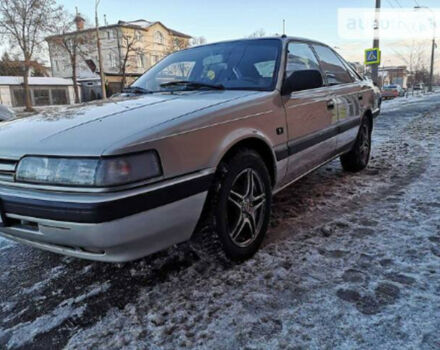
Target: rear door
[[347, 92], [311, 115]]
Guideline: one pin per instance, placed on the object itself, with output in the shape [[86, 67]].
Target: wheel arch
[[369, 115], [260, 145]]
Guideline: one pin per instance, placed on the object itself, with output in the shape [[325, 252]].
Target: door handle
[[330, 104]]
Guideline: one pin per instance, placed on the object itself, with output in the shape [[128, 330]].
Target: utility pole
[[431, 73], [434, 45], [375, 67], [98, 42]]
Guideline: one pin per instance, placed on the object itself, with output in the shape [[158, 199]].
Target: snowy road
[[350, 262]]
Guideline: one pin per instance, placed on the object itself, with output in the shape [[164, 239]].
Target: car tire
[[239, 204], [359, 156]]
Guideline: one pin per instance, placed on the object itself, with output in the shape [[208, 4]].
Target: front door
[[311, 116]]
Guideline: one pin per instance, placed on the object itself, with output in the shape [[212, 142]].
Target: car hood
[[88, 129]]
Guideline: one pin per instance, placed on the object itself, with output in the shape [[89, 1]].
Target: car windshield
[[239, 65]]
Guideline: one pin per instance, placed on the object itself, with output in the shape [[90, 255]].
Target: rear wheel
[[359, 156], [240, 202]]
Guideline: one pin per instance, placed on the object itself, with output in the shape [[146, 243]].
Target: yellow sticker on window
[[210, 75]]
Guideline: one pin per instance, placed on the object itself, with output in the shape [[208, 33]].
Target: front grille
[[7, 169]]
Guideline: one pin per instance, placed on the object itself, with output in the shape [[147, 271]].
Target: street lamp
[[434, 26]]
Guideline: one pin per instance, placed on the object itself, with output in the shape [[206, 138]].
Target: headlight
[[99, 172]]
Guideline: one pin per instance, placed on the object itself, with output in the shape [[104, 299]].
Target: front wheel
[[359, 156], [242, 204]]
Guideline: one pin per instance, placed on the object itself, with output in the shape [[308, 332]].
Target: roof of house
[[36, 81], [144, 24], [393, 68], [140, 23]]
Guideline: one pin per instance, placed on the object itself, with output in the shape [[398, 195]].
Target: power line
[[417, 3], [398, 3]]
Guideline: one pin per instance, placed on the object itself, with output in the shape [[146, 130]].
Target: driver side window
[[300, 57]]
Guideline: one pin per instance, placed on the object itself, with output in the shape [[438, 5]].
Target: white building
[[44, 91]]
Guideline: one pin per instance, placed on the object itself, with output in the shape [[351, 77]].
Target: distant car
[[392, 91], [6, 113], [234, 123], [419, 87]]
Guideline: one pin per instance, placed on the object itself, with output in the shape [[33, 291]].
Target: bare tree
[[177, 44], [414, 56], [98, 46], [129, 49], [25, 23], [75, 43], [198, 40], [258, 33]]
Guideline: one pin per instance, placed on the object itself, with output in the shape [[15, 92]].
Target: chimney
[[79, 21]]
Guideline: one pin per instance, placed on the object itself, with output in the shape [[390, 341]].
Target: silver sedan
[[200, 142]]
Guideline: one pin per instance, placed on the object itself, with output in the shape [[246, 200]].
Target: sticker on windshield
[[210, 75]]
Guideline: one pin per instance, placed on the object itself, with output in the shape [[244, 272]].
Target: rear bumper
[[106, 227]]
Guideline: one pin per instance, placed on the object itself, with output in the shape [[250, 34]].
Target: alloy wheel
[[246, 208], [364, 143]]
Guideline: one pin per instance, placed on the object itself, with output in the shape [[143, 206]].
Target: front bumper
[[376, 113], [111, 227]]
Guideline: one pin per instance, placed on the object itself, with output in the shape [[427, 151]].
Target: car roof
[[283, 38]]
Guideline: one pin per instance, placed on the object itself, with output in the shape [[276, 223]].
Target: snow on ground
[[351, 262], [412, 98]]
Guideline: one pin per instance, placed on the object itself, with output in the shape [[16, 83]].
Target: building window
[[178, 44], [18, 95], [110, 34], [154, 59], [59, 96], [158, 38], [137, 35], [41, 97], [141, 60], [111, 58]]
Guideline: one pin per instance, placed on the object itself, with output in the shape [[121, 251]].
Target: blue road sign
[[372, 56]]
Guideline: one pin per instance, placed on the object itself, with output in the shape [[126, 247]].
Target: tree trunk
[[123, 81], [75, 83], [123, 73], [27, 91]]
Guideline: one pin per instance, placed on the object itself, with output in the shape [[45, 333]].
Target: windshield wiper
[[136, 90], [194, 84]]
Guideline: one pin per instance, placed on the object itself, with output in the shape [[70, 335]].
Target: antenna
[[105, 20], [284, 27], [76, 10]]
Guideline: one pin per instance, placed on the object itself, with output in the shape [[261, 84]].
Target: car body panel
[[119, 240], [56, 133], [307, 115]]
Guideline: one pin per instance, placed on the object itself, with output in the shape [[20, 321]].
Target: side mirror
[[302, 80]]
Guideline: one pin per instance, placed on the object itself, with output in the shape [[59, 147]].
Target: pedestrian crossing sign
[[372, 56]]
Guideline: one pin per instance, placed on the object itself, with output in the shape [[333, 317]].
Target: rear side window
[[300, 57], [332, 66]]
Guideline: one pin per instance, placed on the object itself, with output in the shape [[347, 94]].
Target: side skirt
[[339, 152]]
